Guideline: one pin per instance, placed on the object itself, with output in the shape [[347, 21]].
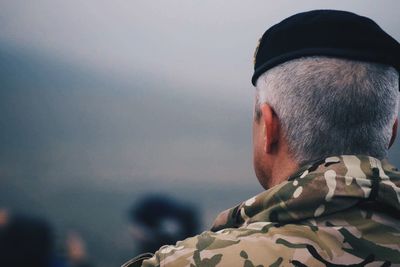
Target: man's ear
[[394, 132], [271, 127]]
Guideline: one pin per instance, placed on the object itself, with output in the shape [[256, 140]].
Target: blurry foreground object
[[76, 251], [28, 241], [25, 241], [3, 217], [159, 220]]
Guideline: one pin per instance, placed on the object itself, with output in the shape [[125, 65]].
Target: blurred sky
[[125, 97]]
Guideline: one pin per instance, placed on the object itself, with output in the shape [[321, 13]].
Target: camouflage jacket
[[338, 211]]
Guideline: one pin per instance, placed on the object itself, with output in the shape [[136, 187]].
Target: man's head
[[328, 101]]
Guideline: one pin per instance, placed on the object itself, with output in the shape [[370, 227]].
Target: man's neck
[[283, 168]]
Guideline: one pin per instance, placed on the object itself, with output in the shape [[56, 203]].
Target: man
[[327, 93]]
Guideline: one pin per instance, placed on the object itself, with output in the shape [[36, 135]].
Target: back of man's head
[[332, 78], [331, 106]]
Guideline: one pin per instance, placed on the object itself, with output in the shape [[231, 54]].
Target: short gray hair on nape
[[331, 106]]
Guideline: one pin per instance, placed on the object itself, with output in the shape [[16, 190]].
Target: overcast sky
[[200, 44]]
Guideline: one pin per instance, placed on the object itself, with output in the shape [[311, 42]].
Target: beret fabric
[[325, 33]]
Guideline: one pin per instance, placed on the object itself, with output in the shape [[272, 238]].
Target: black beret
[[325, 33]]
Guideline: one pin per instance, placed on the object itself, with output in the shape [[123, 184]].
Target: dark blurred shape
[[25, 241], [159, 220]]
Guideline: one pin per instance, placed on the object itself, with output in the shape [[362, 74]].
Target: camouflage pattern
[[339, 211]]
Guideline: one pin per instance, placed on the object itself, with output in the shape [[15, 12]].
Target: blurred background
[[103, 103]]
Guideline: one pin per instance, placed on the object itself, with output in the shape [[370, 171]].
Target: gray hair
[[331, 106]]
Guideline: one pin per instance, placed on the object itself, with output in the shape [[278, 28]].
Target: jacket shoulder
[[268, 244], [252, 245]]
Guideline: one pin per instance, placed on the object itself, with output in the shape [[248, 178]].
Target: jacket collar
[[319, 189]]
